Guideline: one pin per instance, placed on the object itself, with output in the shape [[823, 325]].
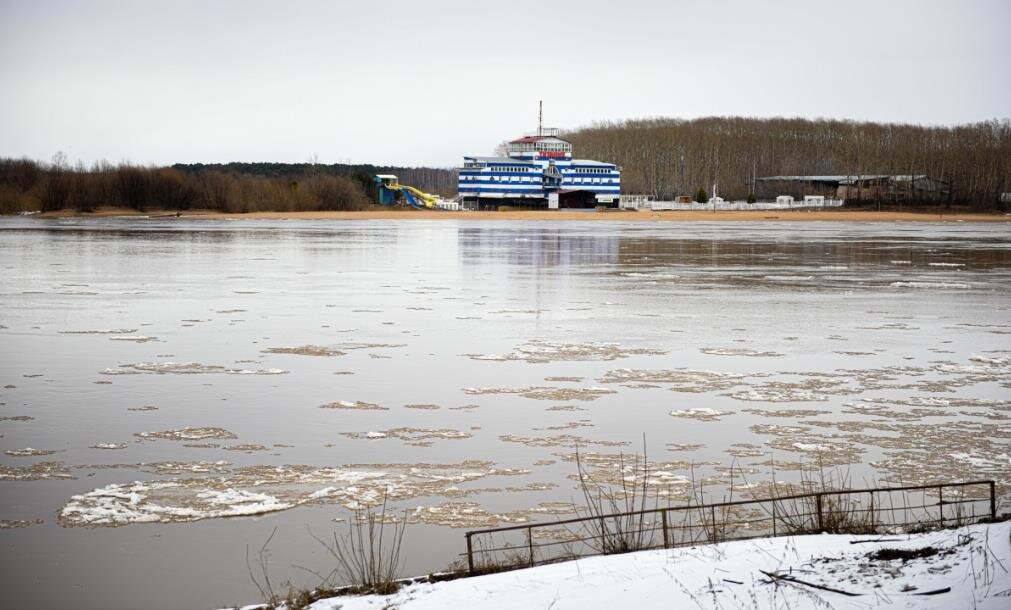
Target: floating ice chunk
[[729, 351], [999, 361], [109, 446], [703, 414], [789, 395], [934, 285]]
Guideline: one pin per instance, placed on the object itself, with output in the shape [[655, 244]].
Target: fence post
[[821, 521], [993, 501], [470, 556], [712, 511], [773, 517], [530, 544], [663, 519], [873, 520], [940, 503]]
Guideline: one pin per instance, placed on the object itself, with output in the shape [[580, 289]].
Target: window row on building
[[591, 181], [588, 170]]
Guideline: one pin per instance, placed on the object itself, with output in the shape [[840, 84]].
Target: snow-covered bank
[[974, 562]]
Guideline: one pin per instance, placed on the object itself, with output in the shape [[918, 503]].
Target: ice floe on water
[[621, 471], [1000, 461], [792, 413], [552, 351], [109, 446], [339, 349], [932, 285], [684, 446], [778, 395], [1000, 361], [356, 405], [418, 437], [546, 393], [42, 471], [559, 440], [583, 423], [12, 524], [162, 502], [29, 452], [679, 380], [184, 368], [246, 447], [464, 514], [651, 275], [134, 338], [104, 331], [701, 414], [738, 351], [188, 434], [305, 350], [254, 490]]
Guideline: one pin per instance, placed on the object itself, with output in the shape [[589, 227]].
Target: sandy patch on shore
[[640, 216]]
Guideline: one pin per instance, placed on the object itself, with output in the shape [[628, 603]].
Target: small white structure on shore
[[814, 199], [787, 199]]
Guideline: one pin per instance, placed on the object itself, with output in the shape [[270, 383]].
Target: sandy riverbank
[[616, 216]]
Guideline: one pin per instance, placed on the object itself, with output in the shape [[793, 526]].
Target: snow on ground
[[975, 562]]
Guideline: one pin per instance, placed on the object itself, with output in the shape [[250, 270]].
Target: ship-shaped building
[[539, 172]]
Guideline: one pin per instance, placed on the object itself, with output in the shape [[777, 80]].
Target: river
[[174, 391]]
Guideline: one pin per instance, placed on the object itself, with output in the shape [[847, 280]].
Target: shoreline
[[546, 215]]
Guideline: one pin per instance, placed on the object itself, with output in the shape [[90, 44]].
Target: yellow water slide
[[427, 199]]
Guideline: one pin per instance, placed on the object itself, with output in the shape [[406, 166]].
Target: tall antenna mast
[[540, 118]]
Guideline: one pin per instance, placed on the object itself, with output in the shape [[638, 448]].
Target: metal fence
[[864, 511], [658, 206]]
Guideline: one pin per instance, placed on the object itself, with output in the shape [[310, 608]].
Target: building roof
[[526, 139], [499, 160], [826, 178], [590, 162], [846, 179]]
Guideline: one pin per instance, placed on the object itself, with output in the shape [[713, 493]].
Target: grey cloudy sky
[[406, 83]]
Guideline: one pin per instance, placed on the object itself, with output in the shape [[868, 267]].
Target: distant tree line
[[667, 157], [428, 179], [234, 187]]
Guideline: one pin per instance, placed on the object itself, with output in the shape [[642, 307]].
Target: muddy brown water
[[161, 381]]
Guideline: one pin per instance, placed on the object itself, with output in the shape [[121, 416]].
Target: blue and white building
[[539, 172]]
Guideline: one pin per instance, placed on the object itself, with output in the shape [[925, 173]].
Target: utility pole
[[540, 118]]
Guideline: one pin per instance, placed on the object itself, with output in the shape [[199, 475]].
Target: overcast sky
[[424, 82]]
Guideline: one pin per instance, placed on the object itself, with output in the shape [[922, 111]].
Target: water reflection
[[539, 247]]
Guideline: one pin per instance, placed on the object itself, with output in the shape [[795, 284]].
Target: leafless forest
[[26, 185], [667, 157]]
